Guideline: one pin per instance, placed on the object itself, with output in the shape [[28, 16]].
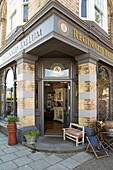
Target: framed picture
[[49, 96], [48, 103]]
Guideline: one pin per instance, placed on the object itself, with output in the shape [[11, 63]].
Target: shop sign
[[87, 41], [28, 40]]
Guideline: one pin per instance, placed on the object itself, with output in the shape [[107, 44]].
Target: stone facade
[[110, 20], [35, 5], [3, 22], [87, 94], [26, 93]]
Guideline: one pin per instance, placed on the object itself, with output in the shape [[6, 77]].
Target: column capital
[[87, 58], [23, 57]]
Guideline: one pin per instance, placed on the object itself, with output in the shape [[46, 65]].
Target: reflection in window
[[9, 93], [103, 94], [84, 8], [98, 17]]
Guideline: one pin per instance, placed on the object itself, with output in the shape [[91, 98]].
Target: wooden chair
[[75, 133], [96, 146]]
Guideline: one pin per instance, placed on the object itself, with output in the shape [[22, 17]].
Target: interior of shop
[[55, 106]]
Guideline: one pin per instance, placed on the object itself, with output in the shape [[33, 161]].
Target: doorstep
[[55, 144]]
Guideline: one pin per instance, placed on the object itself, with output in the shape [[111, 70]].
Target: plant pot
[[11, 129], [30, 139]]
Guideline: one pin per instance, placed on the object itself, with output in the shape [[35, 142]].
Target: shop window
[[84, 8], [9, 93], [13, 21], [103, 94], [112, 94], [1, 94]]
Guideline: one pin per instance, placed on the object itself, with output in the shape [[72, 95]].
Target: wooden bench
[[74, 133]]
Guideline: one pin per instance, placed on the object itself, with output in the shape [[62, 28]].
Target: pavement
[[19, 157]]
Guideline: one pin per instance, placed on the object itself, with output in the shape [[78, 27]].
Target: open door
[[66, 105]]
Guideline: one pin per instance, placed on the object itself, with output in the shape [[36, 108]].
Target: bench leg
[[64, 136], [76, 142]]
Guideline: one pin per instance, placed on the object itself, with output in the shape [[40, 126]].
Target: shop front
[[56, 70]]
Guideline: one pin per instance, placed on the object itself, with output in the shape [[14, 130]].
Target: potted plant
[[12, 129], [31, 136]]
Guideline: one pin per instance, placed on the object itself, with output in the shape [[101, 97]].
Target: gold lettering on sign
[[91, 44]]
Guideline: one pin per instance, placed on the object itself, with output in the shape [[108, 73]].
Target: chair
[[106, 137], [75, 133], [96, 146]]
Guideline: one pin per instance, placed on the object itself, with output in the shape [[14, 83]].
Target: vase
[[12, 129]]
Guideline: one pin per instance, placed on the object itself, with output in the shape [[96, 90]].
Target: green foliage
[[12, 118], [31, 133]]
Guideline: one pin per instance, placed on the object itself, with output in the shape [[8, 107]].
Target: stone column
[[87, 89], [26, 89]]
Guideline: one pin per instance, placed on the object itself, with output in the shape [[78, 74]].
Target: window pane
[[103, 94], [25, 18], [84, 8], [98, 17]]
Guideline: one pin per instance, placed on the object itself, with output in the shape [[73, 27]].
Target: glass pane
[[2, 94], [9, 93], [25, 18], [103, 94], [112, 94], [57, 70], [84, 8]]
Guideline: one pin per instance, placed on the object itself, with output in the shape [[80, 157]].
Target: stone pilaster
[[87, 90], [26, 89]]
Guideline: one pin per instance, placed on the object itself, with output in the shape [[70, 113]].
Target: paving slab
[[37, 156], [25, 167], [39, 165], [70, 163], [57, 166], [53, 159], [8, 157], [10, 150], [23, 161], [8, 166], [19, 146], [22, 153], [3, 147], [1, 152], [81, 157]]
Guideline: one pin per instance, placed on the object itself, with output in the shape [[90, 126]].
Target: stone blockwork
[[72, 5], [35, 5], [87, 94], [110, 19], [26, 93], [3, 22]]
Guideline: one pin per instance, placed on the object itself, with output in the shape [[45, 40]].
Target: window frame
[[14, 14], [87, 12]]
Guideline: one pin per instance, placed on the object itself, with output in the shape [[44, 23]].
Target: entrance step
[[55, 144]]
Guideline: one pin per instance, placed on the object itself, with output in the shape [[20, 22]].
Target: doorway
[[56, 107]]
